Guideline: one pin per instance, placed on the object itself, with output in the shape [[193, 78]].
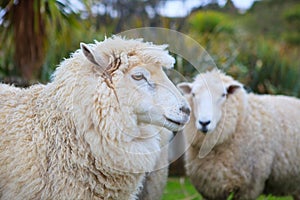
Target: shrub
[[210, 22]]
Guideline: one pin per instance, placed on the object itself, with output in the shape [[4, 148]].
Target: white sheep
[[82, 135], [254, 140], [155, 181]]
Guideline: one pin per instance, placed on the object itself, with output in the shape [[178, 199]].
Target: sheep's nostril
[[185, 110], [204, 123]]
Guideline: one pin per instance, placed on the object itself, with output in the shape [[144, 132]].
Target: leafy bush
[[292, 15], [62, 45], [210, 22], [262, 64], [270, 68], [292, 18]]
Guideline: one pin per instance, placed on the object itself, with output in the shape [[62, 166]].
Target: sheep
[[82, 135], [241, 144], [155, 181]]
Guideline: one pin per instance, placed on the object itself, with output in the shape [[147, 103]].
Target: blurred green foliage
[[252, 49], [270, 68], [48, 34], [210, 21], [260, 48], [292, 17], [293, 14]]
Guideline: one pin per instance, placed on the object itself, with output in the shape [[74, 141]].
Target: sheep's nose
[[185, 110], [204, 123]]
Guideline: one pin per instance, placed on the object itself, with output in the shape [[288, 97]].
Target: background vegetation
[[182, 189], [259, 47]]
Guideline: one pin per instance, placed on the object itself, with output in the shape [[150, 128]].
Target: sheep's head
[[208, 94], [134, 72]]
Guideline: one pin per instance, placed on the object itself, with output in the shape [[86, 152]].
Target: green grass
[[182, 189]]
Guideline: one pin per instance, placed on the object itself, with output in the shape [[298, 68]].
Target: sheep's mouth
[[204, 130], [178, 123]]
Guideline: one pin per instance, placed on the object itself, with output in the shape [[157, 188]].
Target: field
[[182, 189]]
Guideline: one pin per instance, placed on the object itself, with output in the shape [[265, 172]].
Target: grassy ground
[[182, 189]]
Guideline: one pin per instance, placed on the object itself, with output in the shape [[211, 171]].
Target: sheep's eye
[[138, 76], [193, 94], [224, 95]]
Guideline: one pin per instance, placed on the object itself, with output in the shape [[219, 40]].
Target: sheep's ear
[[88, 53], [185, 87], [232, 88], [101, 62]]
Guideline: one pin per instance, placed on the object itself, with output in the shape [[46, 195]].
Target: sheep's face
[[153, 97], [143, 91], [207, 94]]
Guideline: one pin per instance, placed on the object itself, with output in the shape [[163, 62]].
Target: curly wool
[[155, 181], [257, 152], [64, 140]]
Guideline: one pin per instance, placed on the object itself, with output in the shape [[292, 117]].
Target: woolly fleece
[[258, 150], [65, 140]]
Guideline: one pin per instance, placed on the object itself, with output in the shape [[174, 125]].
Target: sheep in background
[[79, 137], [254, 140]]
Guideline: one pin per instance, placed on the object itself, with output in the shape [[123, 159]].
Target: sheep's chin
[[205, 131], [170, 125]]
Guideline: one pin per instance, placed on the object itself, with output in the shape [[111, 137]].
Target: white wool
[[257, 147], [155, 181], [72, 138]]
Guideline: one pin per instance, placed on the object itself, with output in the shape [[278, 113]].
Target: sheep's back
[[18, 156], [284, 135]]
